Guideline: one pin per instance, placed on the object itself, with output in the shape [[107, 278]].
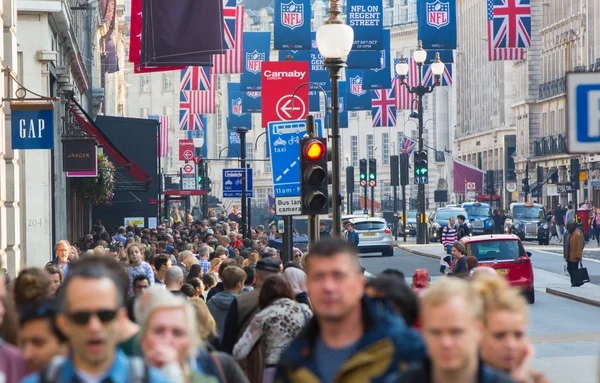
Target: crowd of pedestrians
[[201, 303]]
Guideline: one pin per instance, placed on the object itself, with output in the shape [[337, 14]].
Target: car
[[439, 220], [528, 222], [480, 217], [374, 236], [411, 224], [505, 254]]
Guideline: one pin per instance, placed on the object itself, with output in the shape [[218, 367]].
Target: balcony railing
[[553, 88], [549, 145]]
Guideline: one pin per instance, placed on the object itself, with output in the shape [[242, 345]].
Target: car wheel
[[388, 253], [530, 296]]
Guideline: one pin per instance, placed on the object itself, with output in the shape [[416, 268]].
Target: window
[[353, 114], [168, 111], [145, 83], [250, 151], [261, 195], [167, 81], [370, 146], [385, 147], [387, 197], [354, 150], [144, 112]]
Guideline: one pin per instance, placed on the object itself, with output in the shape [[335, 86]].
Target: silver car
[[374, 236]]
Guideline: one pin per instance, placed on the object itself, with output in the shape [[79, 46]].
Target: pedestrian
[[162, 263], [452, 323], [352, 235], [278, 322], [596, 225], [449, 236], [472, 264], [56, 277], [219, 286], [570, 214], [420, 281], [137, 265], [174, 280], [61, 258], [195, 272], [573, 251], [338, 344], [233, 278], [459, 266], [323, 233], [273, 219], [462, 229], [235, 215], [210, 281], [141, 283], [402, 298], [32, 285], [297, 278], [558, 216]]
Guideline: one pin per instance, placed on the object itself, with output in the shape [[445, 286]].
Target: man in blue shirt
[[91, 309], [61, 259], [121, 235]]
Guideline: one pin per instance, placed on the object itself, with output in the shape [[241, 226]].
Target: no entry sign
[[186, 150], [279, 80]]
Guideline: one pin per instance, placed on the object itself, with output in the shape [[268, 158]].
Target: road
[[565, 332]]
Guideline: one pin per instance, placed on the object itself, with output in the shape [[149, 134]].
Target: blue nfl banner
[[233, 142], [446, 56], [314, 101], [200, 133], [292, 24], [357, 98], [363, 59], [317, 72], [295, 55], [257, 47], [251, 102], [366, 18], [343, 107], [437, 23], [237, 118], [379, 77]]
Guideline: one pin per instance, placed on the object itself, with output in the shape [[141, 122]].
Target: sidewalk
[[546, 281]]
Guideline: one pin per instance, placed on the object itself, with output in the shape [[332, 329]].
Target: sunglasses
[[83, 317]]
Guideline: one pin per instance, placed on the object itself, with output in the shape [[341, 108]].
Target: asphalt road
[[565, 333]]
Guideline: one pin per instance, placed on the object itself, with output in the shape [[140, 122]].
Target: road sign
[[232, 183], [551, 190], [471, 186], [583, 112], [288, 206], [189, 182], [511, 187], [284, 141], [186, 150], [188, 169], [196, 160], [279, 80]]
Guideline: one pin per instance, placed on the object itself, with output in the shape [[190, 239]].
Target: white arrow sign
[[284, 107]]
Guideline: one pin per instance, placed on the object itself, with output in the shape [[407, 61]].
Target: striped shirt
[[449, 235]]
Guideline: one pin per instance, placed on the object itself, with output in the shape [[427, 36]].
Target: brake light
[[522, 260], [387, 231]]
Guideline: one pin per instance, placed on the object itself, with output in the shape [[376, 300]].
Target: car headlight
[[545, 226]]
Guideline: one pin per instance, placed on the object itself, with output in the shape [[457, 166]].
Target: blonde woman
[[505, 345]]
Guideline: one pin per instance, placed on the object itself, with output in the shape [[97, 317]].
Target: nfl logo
[[253, 94], [438, 14], [254, 61], [356, 86], [314, 44], [292, 15], [236, 106]]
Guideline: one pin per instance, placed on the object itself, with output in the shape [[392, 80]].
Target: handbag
[[582, 275]]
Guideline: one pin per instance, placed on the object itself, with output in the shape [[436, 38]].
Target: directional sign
[[279, 81], [189, 183], [583, 112], [188, 169], [232, 182], [284, 141], [186, 150]]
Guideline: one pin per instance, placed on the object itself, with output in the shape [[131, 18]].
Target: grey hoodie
[[218, 307]]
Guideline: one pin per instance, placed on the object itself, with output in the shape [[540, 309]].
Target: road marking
[[287, 170], [560, 255]]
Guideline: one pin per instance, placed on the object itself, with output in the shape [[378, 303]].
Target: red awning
[[487, 197], [89, 127]]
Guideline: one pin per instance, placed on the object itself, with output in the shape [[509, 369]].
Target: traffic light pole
[[313, 219], [372, 201], [205, 187], [396, 213], [404, 211], [421, 224], [244, 226], [365, 197]]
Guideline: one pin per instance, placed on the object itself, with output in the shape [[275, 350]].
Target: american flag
[[231, 61], [407, 145], [383, 103], [229, 26], [509, 29], [445, 80], [195, 78], [199, 101], [163, 136], [404, 99]]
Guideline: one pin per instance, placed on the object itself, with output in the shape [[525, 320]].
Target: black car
[[528, 221], [439, 220]]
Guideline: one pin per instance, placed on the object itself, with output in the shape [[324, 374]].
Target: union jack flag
[[229, 26], [404, 99], [445, 80], [191, 121], [202, 102], [383, 104], [232, 60], [407, 145], [195, 78], [509, 29], [163, 136]]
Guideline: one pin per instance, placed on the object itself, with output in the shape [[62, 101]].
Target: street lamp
[[201, 167], [437, 67], [334, 40]]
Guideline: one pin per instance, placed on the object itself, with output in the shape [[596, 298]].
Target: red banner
[[279, 80], [186, 150]]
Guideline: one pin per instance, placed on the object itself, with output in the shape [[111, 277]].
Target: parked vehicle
[[411, 224], [528, 221], [440, 219], [480, 217], [374, 236]]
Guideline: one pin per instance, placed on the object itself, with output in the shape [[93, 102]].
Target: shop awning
[[131, 176]]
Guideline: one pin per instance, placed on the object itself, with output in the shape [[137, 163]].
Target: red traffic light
[[314, 150]]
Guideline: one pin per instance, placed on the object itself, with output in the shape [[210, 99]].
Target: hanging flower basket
[[97, 190]]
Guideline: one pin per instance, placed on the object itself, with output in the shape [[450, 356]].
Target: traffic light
[[363, 172], [350, 178], [313, 173], [404, 169], [372, 172], [525, 187], [554, 178], [489, 177], [421, 172], [394, 171], [575, 169]]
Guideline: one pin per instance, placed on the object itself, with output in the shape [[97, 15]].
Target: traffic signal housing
[[575, 169], [313, 175], [525, 187], [363, 172], [372, 172], [489, 177], [421, 172], [404, 179]]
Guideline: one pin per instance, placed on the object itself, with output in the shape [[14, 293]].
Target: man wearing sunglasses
[[90, 314]]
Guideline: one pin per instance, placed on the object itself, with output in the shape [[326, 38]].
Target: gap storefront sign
[[32, 125]]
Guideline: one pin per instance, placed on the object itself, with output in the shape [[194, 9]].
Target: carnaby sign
[[356, 86], [283, 74], [254, 61], [438, 14], [292, 15]]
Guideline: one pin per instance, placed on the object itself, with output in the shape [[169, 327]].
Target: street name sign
[[232, 182], [279, 80], [583, 112]]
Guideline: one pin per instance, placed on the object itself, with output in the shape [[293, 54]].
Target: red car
[[505, 254]]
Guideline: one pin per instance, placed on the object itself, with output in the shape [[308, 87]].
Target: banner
[[32, 126], [251, 102], [237, 118], [318, 73], [342, 101], [294, 55], [363, 59], [314, 100], [292, 24], [366, 18], [445, 79], [233, 142], [446, 56], [437, 23], [257, 47], [357, 97], [379, 77], [279, 81]]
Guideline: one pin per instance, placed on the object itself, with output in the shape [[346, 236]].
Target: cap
[[268, 264], [210, 232], [89, 237]]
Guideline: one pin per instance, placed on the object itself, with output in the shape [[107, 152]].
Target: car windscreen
[[446, 214], [411, 214], [501, 250], [478, 211], [528, 212], [369, 225]]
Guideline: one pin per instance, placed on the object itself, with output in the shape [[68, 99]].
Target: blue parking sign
[[583, 112]]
